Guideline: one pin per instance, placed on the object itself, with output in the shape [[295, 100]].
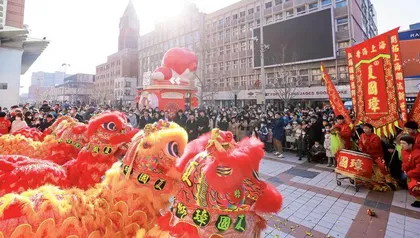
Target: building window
[[235, 31], [250, 11], [214, 23], [243, 63], [251, 25], [250, 44], [227, 32], [343, 44], [220, 22], [343, 20], [340, 3], [313, 6], [250, 62], [235, 81], [243, 46], [221, 35], [301, 10], [214, 52], [325, 2], [289, 13], [214, 37], [222, 83], [235, 16], [278, 16], [343, 28], [257, 8], [242, 14], [235, 64], [221, 51], [258, 23], [221, 66], [228, 49], [243, 81], [3, 86], [243, 28], [268, 5], [268, 19], [227, 19], [235, 47], [278, 2], [228, 65]]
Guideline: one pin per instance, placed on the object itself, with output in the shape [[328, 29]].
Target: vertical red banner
[[376, 81], [335, 100]]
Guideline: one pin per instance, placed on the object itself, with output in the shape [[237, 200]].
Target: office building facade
[[230, 48], [185, 30]]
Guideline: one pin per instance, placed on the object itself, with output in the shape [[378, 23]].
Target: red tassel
[[270, 201]]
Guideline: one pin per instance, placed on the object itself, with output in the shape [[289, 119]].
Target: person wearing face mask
[[49, 120], [180, 119], [223, 124], [18, 123], [192, 127], [213, 122], [234, 128], [74, 113], [132, 117]]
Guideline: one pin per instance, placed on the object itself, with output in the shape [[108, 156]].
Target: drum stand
[[352, 180]]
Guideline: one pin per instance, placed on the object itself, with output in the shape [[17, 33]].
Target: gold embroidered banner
[[377, 82]]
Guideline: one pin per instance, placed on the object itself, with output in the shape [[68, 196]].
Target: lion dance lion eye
[[173, 149], [110, 126]]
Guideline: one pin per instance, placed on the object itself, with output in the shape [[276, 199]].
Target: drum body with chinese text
[[354, 164]]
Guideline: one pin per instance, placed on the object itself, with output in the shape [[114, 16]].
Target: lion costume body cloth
[[220, 191], [130, 198]]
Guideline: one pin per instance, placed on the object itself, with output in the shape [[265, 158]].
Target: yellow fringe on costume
[[115, 208], [381, 181], [20, 145]]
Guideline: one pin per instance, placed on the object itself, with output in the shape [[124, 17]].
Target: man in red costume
[[411, 166], [413, 129], [344, 131], [371, 144]]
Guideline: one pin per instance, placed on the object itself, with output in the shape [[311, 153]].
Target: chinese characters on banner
[[334, 97], [377, 82]]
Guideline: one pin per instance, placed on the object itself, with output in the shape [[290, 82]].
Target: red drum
[[354, 164]]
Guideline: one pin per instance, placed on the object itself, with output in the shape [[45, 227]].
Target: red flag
[[415, 111], [377, 82], [335, 100]]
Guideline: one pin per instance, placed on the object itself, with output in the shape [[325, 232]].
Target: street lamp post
[[263, 48]]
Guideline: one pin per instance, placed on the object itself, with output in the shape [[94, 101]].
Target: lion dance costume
[[107, 133], [126, 203], [220, 192]]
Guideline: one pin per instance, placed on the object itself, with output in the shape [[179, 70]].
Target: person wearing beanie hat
[[345, 131], [412, 128]]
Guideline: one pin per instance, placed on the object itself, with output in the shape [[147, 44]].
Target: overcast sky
[[84, 32]]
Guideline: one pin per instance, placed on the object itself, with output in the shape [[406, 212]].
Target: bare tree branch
[[286, 78]]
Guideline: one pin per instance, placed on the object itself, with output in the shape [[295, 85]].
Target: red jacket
[[4, 126], [417, 140], [411, 163], [372, 145], [345, 134]]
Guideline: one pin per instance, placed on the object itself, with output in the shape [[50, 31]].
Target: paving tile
[[395, 230], [370, 203], [336, 234], [302, 173], [322, 229]]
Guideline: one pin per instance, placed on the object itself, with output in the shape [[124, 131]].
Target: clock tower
[[129, 29]]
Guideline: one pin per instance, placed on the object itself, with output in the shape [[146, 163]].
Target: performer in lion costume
[[130, 198]]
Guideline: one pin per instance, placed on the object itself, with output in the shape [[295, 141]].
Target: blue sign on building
[[410, 53]]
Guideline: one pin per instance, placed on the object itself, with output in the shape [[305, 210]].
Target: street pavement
[[315, 206]]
